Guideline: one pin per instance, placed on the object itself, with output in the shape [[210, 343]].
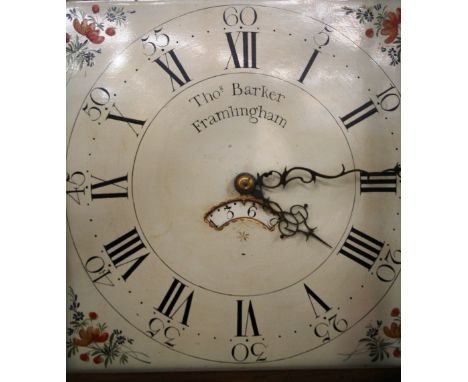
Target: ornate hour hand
[[293, 221], [289, 222]]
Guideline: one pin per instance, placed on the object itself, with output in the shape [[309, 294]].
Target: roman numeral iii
[[361, 248], [127, 251], [249, 49], [378, 182], [174, 301]]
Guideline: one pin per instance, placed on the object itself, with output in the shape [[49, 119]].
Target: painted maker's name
[[251, 114], [236, 90]]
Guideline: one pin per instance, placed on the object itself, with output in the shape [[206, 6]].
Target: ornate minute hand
[[295, 220], [307, 175]]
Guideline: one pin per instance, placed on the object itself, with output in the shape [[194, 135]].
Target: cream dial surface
[[156, 153]]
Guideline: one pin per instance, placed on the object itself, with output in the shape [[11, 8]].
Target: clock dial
[[155, 216]]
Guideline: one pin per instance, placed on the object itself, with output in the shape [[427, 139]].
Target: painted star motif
[[243, 236]]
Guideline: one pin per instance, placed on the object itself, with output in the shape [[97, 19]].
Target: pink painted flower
[[391, 25], [88, 30]]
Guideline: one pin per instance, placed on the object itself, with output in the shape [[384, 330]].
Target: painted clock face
[[153, 211]]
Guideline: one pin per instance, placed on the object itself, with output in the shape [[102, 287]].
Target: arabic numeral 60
[[247, 16]]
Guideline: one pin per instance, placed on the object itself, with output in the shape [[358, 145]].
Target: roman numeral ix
[[113, 188]]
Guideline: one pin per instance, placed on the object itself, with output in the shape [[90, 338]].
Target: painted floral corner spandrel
[[91, 340], [88, 31], [380, 21], [380, 340]]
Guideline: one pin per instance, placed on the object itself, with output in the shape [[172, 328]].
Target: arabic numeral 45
[[76, 185]]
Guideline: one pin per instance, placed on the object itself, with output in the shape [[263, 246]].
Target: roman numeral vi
[[249, 319]]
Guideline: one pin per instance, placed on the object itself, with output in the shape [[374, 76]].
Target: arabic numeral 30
[[256, 352]]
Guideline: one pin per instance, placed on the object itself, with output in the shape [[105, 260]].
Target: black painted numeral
[[173, 295], [96, 268], [308, 66], [101, 102], [113, 188], [249, 51], [127, 250], [314, 297], [387, 101], [173, 76], [359, 114], [378, 182], [133, 123], [75, 186], [361, 248], [249, 319]]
